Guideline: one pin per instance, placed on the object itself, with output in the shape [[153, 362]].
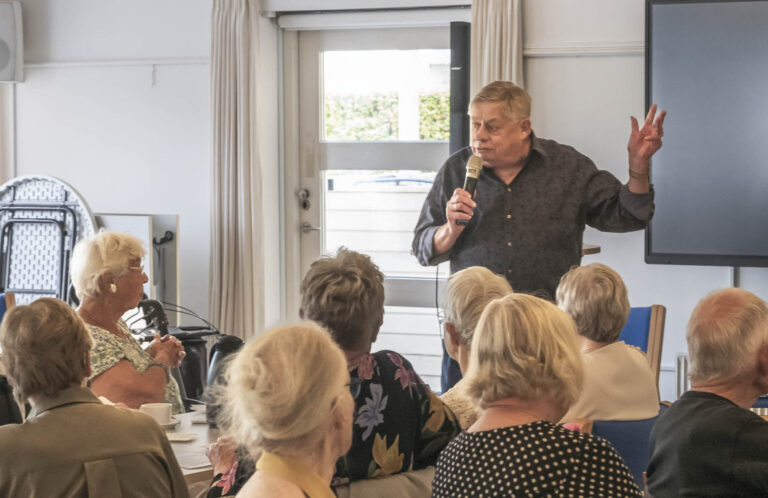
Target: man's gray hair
[[725, 331]]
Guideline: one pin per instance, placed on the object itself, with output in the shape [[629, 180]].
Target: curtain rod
[[364, 11]]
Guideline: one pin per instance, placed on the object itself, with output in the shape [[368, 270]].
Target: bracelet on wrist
[[637, 175], [164, 367]]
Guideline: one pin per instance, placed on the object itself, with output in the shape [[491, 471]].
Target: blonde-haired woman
[[525, 371], [618, 382], [467, 293], [287, 398], [109, 279]]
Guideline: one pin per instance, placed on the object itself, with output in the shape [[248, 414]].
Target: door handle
[[306, 228]]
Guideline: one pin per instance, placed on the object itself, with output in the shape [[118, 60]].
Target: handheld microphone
[[474, 166]]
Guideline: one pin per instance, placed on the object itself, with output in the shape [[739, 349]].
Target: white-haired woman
[[287, 399], [467, 293], [72, 444], [618, 382], [525, 371], [108, 277]]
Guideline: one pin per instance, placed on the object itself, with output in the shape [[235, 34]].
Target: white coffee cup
[[161, 412]]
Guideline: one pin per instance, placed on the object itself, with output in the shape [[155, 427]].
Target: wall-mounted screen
[[707, 65]]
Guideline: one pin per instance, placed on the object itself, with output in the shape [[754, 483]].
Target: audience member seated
[[400, 424], [524, 372], [466, 294], [708, 443], [71, 444], [109, 280], [618, 382], [287, 399]]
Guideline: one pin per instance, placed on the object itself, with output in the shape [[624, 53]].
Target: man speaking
[[533, 197]]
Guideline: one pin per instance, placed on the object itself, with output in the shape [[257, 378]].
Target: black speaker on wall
[[11, 42], [459, 101]]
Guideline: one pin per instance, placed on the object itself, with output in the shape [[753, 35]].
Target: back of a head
[[517, 102], [345, 294], [44, 347], [525, 348], [725, 331], [105, 252], [281, 388], [596, 297], [467, 293]]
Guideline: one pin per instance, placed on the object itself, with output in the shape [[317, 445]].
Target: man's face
[[497, 139]]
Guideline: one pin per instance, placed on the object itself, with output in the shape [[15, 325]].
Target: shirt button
[[509, 271], [509, 244], [509, 189]]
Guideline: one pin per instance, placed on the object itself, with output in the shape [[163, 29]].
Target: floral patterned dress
[[400, 424], [108, 349]]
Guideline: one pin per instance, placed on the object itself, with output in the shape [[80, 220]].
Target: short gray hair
[[104, 253], [281, 388], [524, 347], [44, 347], [596, 297], [467, 293], [517, 102], [726, 329], [345, 294]]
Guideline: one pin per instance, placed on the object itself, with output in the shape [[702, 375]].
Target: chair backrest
[[631, 438], [7, 301], [645, 330]]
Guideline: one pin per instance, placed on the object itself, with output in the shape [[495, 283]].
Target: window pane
[[415, 334], [375, 212], [378, 95]]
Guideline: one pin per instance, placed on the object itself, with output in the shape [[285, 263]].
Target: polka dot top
[[537, 459]]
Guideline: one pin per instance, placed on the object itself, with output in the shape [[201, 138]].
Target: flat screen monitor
[[707, 65]]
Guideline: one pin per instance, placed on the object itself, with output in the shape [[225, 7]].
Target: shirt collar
[[68, 396], [536, 146], [296, 472]]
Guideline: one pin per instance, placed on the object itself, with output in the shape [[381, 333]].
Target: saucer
[[180, 437], [170, 425]]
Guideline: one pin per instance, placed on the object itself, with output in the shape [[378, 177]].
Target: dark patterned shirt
[[537, 459], [530, 230]]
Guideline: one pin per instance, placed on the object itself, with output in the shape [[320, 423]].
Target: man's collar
[[68, 396], [536, 145]]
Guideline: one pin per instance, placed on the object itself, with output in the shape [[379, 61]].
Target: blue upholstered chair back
[[631, 439], [645, 330], [7, 301], [635, 331]]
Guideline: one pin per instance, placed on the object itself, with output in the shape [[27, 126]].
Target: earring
[[112, 288]]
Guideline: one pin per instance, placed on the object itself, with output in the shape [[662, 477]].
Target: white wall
[[116, 103], [586, 101]]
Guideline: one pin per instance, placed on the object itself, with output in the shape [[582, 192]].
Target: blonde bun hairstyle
[[281, 388]]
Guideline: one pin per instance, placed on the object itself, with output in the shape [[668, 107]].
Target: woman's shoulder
[[261, 484]]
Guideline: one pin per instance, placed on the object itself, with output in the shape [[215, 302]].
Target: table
[[191, 455]]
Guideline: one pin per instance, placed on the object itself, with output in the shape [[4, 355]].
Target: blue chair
[[631, 438], [7, 301], [645, 330], [9, 410]]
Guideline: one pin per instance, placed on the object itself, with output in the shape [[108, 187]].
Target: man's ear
[[452, 341], [87, 365], [525, 127], [762, 369]]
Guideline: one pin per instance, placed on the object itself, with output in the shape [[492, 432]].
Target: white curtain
[[237, 252], [497, 43]]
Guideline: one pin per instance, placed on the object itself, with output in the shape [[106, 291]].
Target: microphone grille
[[474, 165]]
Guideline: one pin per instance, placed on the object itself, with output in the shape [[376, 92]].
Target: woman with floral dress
[[400, 424]]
